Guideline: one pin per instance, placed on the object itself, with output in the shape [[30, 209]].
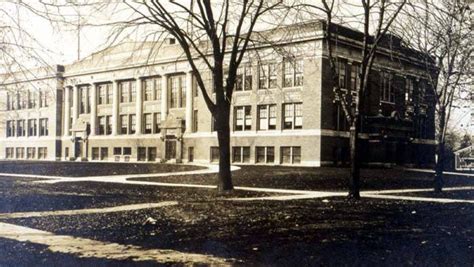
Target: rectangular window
[[141, 154], [133, 123], [148, 86], [157, 120], [20, 152], [42, 152], [293, 72], [102, 125], [214, 154], [105, 93], [43, 124], [152, 154], [266, 117], [290, 154], [84, 96], [117, 151], [354, 77], [43, 99], [241, 154], [292, 116], [10, 128], [9, 152], [243, 118], [95, 153], [341, 72], [409, 91], [263, 76], [108, 129], [30, 153], [387, 94], [123, 124], [239, 81], [127, 91], [195, 121], [265, 154], [127, 151], [177, 91], [21, 130], [104, 153], [248, 78], [148, 123]]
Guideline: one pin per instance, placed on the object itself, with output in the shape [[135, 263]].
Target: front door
[[77, 149], [170, 152]]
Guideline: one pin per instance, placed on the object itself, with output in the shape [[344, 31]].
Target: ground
[[247, 227]]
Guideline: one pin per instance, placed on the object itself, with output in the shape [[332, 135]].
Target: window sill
[[387, 102]]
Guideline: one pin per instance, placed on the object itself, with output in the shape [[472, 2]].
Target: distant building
[[140, 102]]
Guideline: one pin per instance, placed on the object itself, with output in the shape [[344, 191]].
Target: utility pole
[[78, 35]]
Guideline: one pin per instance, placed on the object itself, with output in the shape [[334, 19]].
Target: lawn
[[79, 169]]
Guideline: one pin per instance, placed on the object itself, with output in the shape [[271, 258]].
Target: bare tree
[[442, 31], [376, 17]]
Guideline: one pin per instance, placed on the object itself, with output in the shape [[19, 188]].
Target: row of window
[[19, 153], [128, 91], [292, 117], [143, 153], [27, 100], [348, 78], [263, 154], [27, 127]]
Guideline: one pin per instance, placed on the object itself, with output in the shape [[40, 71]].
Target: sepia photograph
[[236, 133]]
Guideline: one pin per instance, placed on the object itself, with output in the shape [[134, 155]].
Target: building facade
[[140, 103]]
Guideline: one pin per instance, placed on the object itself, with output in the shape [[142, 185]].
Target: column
[[139, 107], [67, 110], [164, 97], [93, 100], [115, 107], [189, 102], [75, 104]]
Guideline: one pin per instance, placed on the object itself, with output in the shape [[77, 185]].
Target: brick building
[[140, 102]]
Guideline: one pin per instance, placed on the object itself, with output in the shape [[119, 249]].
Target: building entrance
[[170, 152]]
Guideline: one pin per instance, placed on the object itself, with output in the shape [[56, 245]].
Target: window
[[127, 91], [21, 130], [10, 128], [248, 78], [292, 116], [292, 72], [117, 151], [32, 127], [241, 154], [341, 73], [409, 91], [105, 93], [43, 124], [9, 152], [195, 121], [42, 152], [266, 117], [108, 129], [141, 154], [30, 152], [290, 154], [20, 152], [265, 154], [31, 100], [148, 86], [102, 125], [148, 123], [177, 91], [263, 76], [104, 153], [387, 94], [354, 77], [190, 154], [133, 124], [95, 153], [157, 120], [215, 154], [84, 95], [340, 121], [43, 99], [152, 154], [243, 118], [127, 151], [8, 101], [123, 124]]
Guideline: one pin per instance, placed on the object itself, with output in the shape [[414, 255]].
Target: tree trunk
[[438, 178], [224, 182], [354, 179]]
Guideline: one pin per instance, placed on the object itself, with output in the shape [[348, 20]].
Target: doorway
[[170, 152]]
